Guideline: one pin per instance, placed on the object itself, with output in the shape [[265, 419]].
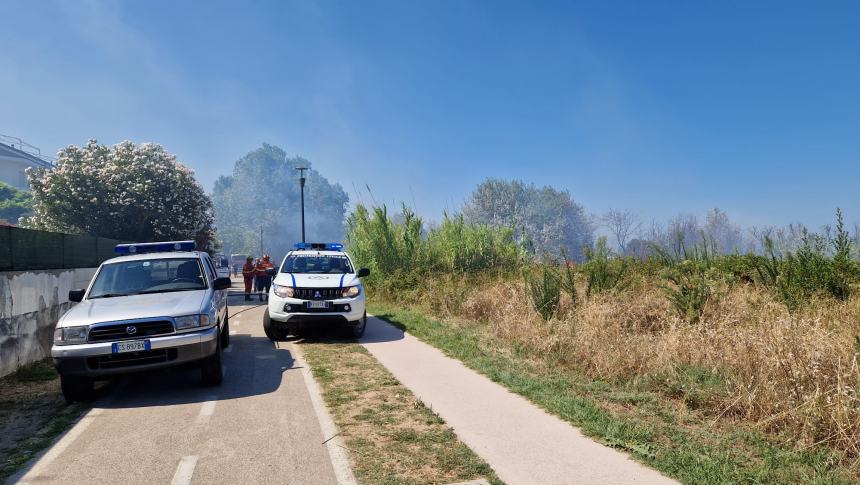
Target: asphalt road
[[163, 427]]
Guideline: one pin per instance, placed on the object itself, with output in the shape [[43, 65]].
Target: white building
[[15, 156]]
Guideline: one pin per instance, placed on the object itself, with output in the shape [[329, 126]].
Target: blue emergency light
[[319, 246], [156, 247]]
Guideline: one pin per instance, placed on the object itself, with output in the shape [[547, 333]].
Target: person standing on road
[[248, 272], [256, 280], [264, 280]]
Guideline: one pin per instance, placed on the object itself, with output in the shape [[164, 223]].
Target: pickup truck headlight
[[284, 291], [70, 335], [193, 321], [190, 321], [351, 291]]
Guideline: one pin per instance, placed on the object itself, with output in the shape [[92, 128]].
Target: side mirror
[[223, 283], [363, 272], [76, 295], [271, 272]]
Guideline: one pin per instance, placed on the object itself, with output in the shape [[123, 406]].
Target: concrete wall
[[31, 302]]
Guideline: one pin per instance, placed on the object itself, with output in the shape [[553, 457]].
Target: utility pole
[[302, 185], [261, 241]]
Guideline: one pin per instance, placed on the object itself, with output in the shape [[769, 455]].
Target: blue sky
[[659, 107]]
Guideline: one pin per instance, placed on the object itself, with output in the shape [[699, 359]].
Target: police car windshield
[[148, 276], [317, 263]]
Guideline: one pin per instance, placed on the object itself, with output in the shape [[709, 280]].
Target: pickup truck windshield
[[148, 276], [320, 264]]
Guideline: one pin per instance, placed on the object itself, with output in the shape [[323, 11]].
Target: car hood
[[317, 280], [134, 306]]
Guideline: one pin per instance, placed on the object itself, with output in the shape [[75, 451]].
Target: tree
[[623, 225], [263, 192], [545, 219], [130, 192], [14, 203], [725, 235]]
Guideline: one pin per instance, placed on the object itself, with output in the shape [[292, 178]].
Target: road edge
[[336, 450]]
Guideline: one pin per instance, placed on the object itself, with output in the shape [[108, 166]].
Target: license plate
[[317, 304], [130, 346]]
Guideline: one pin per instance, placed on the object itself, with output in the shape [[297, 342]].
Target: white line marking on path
[[55, 451], [207, 410], [336, 450], [184, 471], [40, 463]]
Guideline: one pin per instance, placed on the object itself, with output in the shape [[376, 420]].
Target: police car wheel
[[275, 334], [357, 328]]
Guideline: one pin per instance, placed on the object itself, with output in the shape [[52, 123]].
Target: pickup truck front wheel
[[272, 331], [211, 372], [357, 328], [76, 388], [225, 332]]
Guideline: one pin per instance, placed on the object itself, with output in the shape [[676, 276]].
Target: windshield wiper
[[109, 295], [171, 290]]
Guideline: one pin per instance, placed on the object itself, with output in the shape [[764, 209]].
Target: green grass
[[32, 414], [18, 456], [42, 370], [646, 424]]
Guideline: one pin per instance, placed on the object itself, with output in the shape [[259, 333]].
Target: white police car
[[316, 283], [157, 305]]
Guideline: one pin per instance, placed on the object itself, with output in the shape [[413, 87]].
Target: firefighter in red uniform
[[248, 272], [264, 280]]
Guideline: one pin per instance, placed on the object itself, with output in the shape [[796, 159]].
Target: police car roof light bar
[[156, 247], [319, 246]]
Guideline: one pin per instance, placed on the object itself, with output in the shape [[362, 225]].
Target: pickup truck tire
[[272, 331], [76, 388], [225, 332], [357, 328], [211, 372]]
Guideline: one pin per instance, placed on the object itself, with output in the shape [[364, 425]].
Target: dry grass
[[391, 436], [748, 360]]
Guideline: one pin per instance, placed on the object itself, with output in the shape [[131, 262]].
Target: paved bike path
[[259, 426], [523, 443]]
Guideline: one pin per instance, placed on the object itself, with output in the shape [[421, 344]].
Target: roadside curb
[[336, 449]]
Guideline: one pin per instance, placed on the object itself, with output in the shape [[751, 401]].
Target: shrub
[[809, 271], [689, 271], [568, 278], [458, 246], [602, 271], [399, 253], [544, 290]]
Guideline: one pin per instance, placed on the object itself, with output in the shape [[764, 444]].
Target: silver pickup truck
[[157, 305]]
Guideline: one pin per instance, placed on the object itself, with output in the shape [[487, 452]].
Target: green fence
[[26, 249]]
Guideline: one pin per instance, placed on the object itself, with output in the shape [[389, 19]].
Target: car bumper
[[98, 359], [278, 313]]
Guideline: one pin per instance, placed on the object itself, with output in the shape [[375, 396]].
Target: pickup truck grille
[[324, 293], [120, 331], [132, 359]]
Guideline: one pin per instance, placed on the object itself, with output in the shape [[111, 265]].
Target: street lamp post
[[302, 185]]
